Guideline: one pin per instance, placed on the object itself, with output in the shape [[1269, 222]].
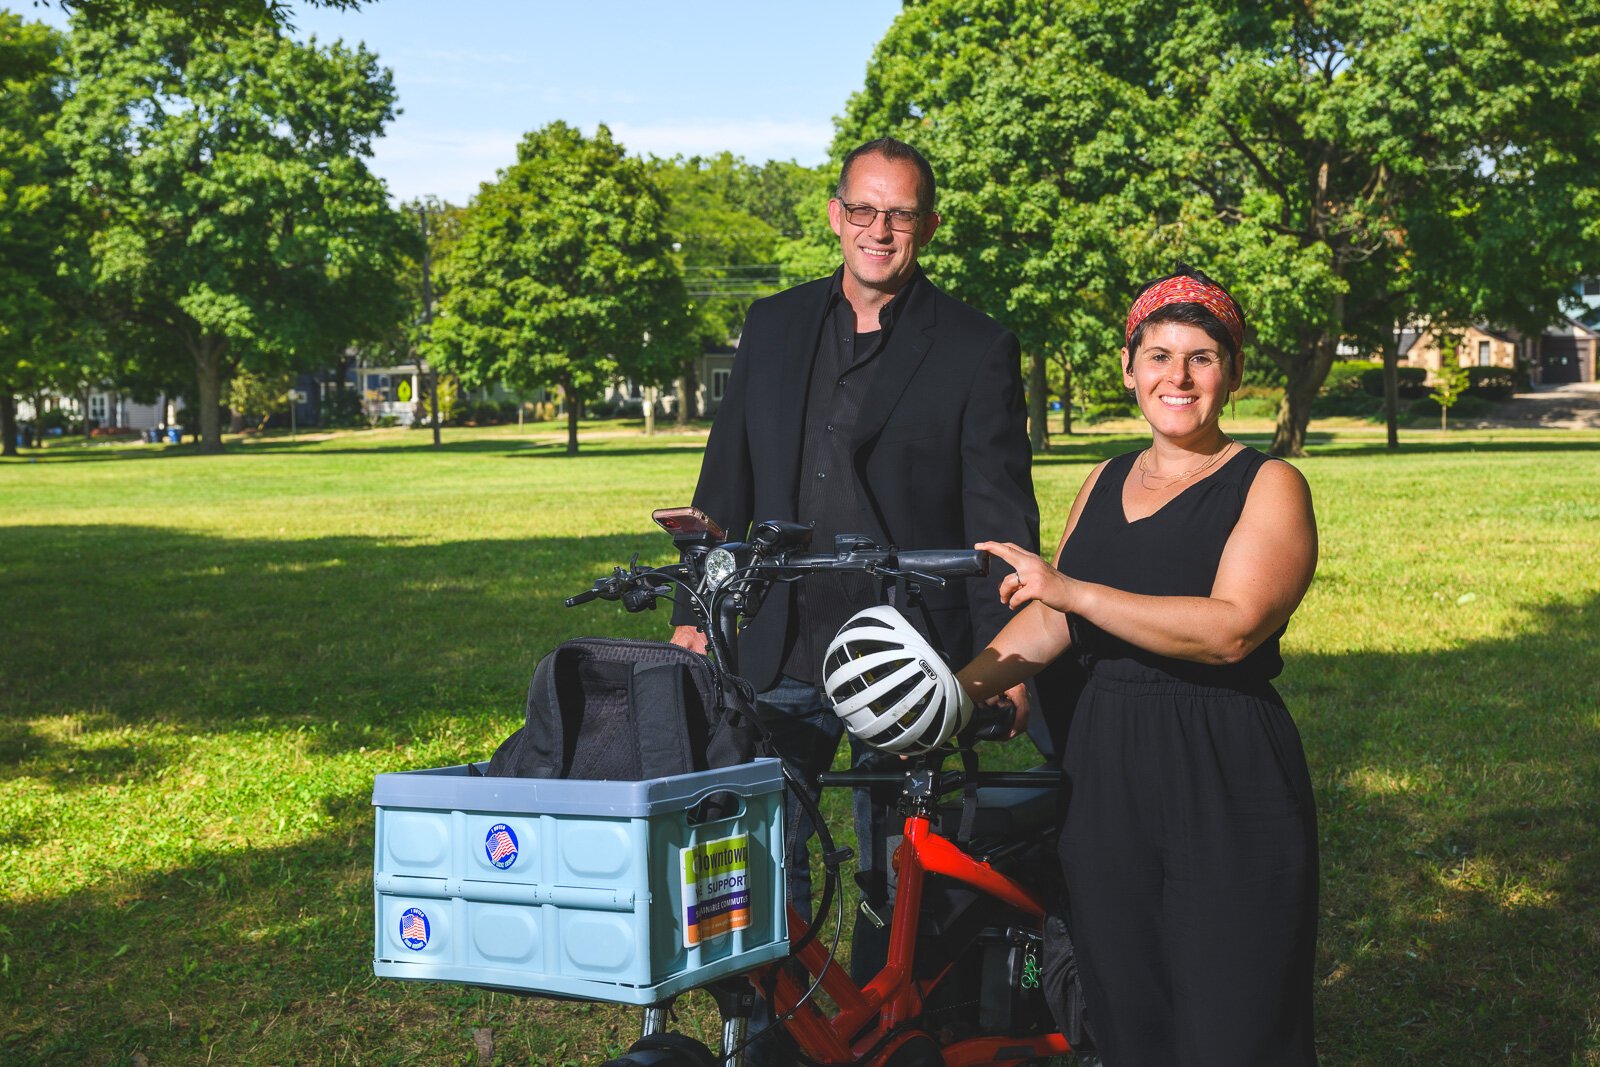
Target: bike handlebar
[[936, 562]]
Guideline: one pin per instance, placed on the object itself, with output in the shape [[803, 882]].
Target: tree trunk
[[1306, 371], [647, 402], [1066, 399], [686, 386], [433, 401], [1391, 388], [572, 414], [84, 402], [1038, 404], [8, 422], [208, 368]]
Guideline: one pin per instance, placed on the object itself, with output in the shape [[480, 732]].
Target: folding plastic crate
[[597, 890]]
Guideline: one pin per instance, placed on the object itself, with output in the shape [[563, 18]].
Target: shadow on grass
[[150, 634], [261, 955], [1457, 795]]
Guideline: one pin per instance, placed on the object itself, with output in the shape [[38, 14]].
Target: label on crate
[[716, 888], [500, 845]]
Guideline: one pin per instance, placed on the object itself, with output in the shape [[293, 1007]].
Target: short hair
[[1189, 314], [897, 152]]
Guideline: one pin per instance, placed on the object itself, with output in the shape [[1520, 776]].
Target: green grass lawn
[[204, 661]]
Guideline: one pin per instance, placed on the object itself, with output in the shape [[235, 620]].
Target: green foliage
[[1450, 382], [564, 274], [342, 409], [259, 396], [1491, 383], [1412, 382], [727, 218], [1340, 166], [235, 210], [201, 15], [1430, 409], [38, 229], [1346, 376]]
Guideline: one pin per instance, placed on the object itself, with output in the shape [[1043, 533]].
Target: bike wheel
[[665, 1050]]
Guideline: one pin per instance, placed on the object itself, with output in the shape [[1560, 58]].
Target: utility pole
[[427, 323]]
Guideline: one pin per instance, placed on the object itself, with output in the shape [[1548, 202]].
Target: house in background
[[1564, 352], [712, 369], [108, 409], [1476, 346]]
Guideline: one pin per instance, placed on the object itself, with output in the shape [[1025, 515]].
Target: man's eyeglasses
[[865, 215]]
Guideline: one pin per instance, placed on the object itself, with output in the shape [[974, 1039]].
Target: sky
[[760, 78]]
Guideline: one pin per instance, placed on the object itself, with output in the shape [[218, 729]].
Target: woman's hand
[[1032, 579]]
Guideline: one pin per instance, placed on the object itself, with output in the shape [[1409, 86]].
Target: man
[[869, 403]]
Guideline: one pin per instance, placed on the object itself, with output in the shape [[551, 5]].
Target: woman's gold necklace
[[1145, 473]]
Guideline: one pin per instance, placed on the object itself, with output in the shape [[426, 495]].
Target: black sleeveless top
[[1173, 552]]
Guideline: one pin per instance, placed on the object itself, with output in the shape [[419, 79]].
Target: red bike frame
[[894, 997]]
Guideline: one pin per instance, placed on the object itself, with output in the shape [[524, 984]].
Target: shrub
[[1466, 406], [1413, 382], [1356, 403], [341, 409], [54, 419], [1491, 383], [1345, 377], [1111, 409], [1255, 402]]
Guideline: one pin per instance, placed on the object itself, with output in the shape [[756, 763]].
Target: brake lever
[[879, 570]]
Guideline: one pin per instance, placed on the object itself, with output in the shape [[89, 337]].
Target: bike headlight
[[720, 563]]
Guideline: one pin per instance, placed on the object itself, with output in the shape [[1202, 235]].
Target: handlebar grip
[[582, 598], [992, 722], [945, 562]]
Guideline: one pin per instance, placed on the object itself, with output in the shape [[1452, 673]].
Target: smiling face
[[1181, 378], [878, 261]]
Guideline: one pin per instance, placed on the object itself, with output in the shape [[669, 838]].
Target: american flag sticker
[[500, 845], [414, 929]]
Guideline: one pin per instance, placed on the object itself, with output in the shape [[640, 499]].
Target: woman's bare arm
[[1265, 570]]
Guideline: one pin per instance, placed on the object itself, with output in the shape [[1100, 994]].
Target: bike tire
[[665, 1050]]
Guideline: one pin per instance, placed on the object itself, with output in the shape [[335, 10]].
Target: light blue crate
[[567, 887]]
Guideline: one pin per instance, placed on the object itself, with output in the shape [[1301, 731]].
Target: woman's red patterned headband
[[1186, 290]]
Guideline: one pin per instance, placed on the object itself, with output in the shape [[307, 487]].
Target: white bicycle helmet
[[890, 687]]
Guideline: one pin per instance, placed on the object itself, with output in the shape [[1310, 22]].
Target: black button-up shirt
[[841, 378]]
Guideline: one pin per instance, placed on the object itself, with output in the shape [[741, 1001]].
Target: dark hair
[[1188, 314], [897, 152]]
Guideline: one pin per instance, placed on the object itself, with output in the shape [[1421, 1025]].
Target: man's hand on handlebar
[[691, 637]]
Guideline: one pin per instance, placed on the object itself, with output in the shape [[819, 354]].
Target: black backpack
[[601, 707]]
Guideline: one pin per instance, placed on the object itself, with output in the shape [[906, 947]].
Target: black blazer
[[941, 452]]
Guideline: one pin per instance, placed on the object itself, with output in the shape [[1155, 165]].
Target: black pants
[[1190, 855]]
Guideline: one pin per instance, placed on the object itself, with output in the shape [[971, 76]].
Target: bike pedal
[[872, 916]]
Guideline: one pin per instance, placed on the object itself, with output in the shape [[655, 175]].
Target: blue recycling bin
[[174, 435]]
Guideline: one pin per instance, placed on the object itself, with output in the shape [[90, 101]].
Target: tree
[[259, 396], [727, 218], [1034, 150], [233, 207], [35, 216], [564, 274], [201, 15], [1341, 166], [1451, 381]]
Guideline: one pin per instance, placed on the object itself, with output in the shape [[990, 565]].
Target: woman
[[1189, 844]]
